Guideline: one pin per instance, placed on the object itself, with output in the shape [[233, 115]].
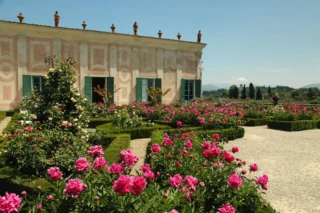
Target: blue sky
[[266, 42]]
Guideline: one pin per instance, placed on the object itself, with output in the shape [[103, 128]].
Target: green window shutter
[[198, 88], [157, 84], [139, 90], [88, 87], [26, 84], [182, 91], [110, 87]]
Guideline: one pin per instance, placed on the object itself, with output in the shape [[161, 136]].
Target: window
[[188, 90], [146, 84], [91, 82], [29, 83], [37, 82], [143, 84]]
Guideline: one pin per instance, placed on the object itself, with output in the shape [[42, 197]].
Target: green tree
[[310, 93], [233, 92], [295, 93], [244, 92], [269, 91], [251, 91], [259, 94]]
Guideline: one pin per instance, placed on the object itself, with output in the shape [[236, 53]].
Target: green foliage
[[251, 91], [120, 142], [259, 94], [256, 121], [156, 95], [2, 115], [94, 122], [234, 92], [269, 91], [244, 92], [254, 114], [12, 125], [292, 125], [123, 120]]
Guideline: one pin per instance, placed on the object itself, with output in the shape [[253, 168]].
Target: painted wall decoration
[[98, 59], [8, 70], [148, 63], [189, 65], [124, 72], [71, 49], [37, 50]]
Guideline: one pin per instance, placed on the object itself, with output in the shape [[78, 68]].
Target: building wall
[[23, 48]]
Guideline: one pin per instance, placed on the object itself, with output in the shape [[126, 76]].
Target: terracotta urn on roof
[[56, 19], [135, 28], [113, 28], [160, 33], [84, 25], [20, 17], [179, 36]]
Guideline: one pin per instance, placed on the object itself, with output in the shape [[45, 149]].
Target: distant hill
[[312, 85], [209, 87]]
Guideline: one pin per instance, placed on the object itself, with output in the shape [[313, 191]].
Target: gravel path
[[292, 162], [4, 123], [139, 148]]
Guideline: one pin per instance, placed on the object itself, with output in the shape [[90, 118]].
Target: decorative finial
[[199, 37], [135, 28], [113, 28], [84, 25], [20, 17], [56, 19], [179, 36], [160, 33]]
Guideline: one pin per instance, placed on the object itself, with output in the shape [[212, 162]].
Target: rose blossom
[[235, 149], [54, 173], [123, 185], [167, 142], [174, 211], [253, 167], [138, 185], [206, 145], [10, 203], [99, 163], [116, 169], [188, 144], [49, 197], [226, 208], [82, 164], [228, 157], [235, 181], [216, 137], [74, 187], [179, 124], [263, 181], [191, 182], [95, 151], [155, 148], [175, 181], [127, 158]]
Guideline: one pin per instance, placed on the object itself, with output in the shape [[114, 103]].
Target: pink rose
[[206, 145], [235, 181], [123, 185], [228, 157], [74, 187], [10, 203], [188, 144], [216, 137], [179, 124], [235, 149], [253, 167], [175, 181], [116, 169], [54, 173], [226, 208], [167, 142], [95, 151], [49, 197], [82, 164], [99, 163], [127, 158], [263, 181], [174, 211], [138, 185], [155, 148], [191, 182]]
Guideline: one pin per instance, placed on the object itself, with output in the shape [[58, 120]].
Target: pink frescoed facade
[[130, 62]]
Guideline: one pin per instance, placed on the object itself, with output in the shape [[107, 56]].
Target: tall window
[[146, 84], [189, 90], [37, 82]]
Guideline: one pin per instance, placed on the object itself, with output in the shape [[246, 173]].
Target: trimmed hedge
[[318, 124], [111, 154], [293, 125], [9, 113], [140, 132], [255, 121], [12, 181], [94, 122], [13, 122]]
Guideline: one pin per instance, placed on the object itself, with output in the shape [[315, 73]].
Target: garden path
[[291, 160], [139, 148], [4, 123]]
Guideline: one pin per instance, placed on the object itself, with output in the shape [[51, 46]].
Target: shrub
[[292, 125]]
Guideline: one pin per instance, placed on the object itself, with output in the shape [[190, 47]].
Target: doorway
[[95, 82]]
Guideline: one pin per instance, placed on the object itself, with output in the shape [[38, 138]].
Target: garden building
[[130, 62]]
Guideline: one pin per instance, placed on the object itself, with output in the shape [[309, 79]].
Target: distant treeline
[[266, 92]]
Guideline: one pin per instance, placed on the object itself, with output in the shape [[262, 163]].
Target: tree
[[244, 92], [251, 91], [259, 94], [310, 93], [269, 91], [233, 92], [105, 94], [156, 94], [295, 93]]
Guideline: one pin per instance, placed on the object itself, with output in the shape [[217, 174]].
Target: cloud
[[242, 79]]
